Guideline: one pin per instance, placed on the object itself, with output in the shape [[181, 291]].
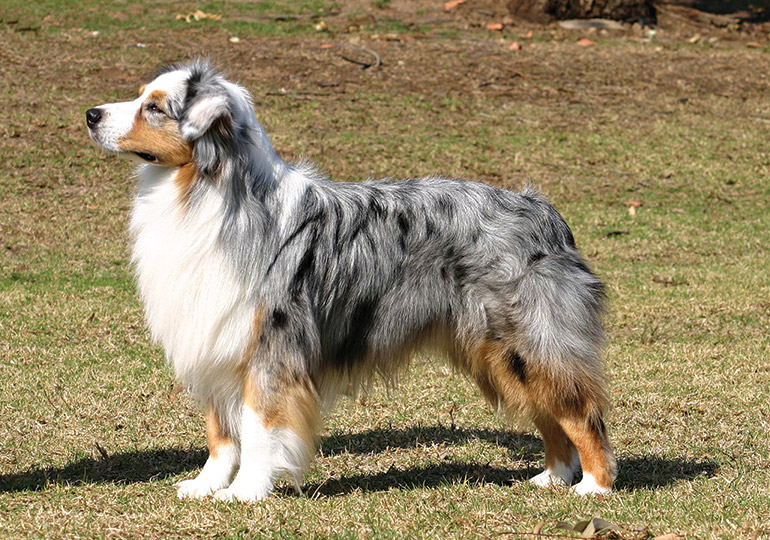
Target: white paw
[[560, 474], [245, 492], [549, 478], [235, 493], [588, 486], [197, 488], [192, 489]]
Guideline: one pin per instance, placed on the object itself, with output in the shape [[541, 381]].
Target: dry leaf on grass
[[198, 16], [494, 26], [515, 46], [589, 528], [585, 42], [448, 6]]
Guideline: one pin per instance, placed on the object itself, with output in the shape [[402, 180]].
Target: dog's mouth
[[147, 157]]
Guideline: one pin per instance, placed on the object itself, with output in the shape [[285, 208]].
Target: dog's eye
[[153, 108]]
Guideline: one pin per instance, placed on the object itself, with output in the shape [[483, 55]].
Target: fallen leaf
[[670, 536], [536, 530], [494, 26], [199, 15], [448, 6], [327, 46], [632, 211], [754, 44], [637, 204], [585, 42], [515, 46], [528, 35], [694, 39]]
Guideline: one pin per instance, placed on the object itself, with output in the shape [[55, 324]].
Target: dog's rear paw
[[549, 478], [588, 486]]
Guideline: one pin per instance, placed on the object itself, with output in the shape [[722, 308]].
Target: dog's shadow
[[636, 472]]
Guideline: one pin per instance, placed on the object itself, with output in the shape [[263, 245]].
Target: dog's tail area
[[558, 309]]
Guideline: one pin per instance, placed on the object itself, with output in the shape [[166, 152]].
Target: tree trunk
[[548, 10]]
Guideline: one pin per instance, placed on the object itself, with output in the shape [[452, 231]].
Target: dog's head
[[184, 113]]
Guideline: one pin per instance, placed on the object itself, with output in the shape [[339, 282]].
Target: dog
[[273, 289]]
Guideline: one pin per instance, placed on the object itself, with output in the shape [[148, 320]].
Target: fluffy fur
[[273, 289]]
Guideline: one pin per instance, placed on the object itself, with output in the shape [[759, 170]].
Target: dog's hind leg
[[278, 431], [561, 456], [567, 412], [514, 388], [220, 465], [588, 434]]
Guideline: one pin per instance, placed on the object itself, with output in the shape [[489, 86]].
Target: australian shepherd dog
[[273, 289]]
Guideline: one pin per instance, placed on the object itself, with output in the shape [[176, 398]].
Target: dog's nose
[[93, 116]]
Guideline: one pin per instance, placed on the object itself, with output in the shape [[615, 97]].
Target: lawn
[[654, 149]]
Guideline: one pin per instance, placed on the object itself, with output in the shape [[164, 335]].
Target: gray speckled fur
[[365, 271]]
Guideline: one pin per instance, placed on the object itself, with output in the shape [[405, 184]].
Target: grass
[[93, 432]]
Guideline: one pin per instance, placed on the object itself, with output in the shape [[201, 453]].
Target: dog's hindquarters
[[541, 359]]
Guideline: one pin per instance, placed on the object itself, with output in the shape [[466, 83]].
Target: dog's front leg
[[221, 465], [278, 433]]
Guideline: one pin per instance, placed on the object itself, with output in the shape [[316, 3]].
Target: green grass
[[93, 432]]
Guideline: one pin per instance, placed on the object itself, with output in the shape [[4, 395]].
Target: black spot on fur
[[353, 345], [581, 265], [377, 208], [430, 227], [315, 215], [403, 226], [598, 427], [454, 263], [279, 319], [304, 269], [536, 257], [499, 198], [519, 366], [445, 205]]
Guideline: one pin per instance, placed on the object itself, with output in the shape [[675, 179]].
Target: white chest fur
[[195, 305]]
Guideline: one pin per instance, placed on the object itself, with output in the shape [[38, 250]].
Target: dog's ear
[[202, 111]]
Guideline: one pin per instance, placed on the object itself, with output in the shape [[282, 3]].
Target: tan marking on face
[[216, 436], [158, 96], [157, 134], [141, 90]]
